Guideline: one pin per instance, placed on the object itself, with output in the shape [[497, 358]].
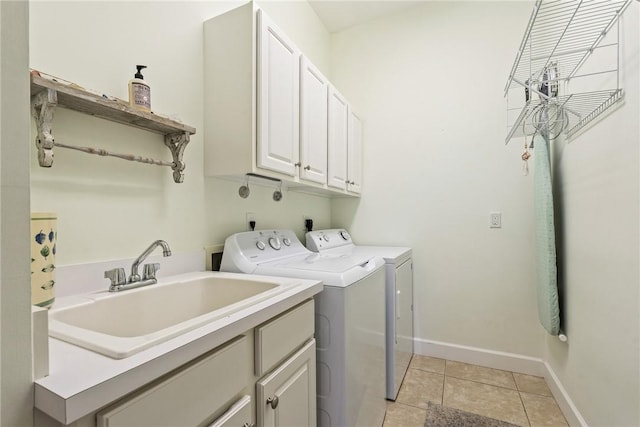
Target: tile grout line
[[484, 383], [444, 381], [480, 381], [410, 405], [526, 413]]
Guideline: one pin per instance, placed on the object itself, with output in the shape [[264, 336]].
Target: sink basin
[[123, 323]]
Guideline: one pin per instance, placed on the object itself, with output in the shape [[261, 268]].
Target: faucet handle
[[150, 270], [117, 276]]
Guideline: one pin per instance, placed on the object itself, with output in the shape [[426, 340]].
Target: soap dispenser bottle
[[139, 91]]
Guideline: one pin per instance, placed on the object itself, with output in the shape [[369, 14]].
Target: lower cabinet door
[[287, 396], [239, 415]]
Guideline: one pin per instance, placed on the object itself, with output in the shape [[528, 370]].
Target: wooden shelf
[[75, 98], [47, 93]]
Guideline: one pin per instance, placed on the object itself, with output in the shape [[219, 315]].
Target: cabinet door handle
[[297, 164], [273, 401], [308, 167]]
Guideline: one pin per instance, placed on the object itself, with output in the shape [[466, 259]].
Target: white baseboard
[[479, 356], [568, 408], [506, 362]]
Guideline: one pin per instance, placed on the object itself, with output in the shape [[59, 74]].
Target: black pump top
[[139, 74]]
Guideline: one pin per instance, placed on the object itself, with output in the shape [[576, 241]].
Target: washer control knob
[[325, 238], [274, 242], [260, 245], [286, 241], [344, 235]]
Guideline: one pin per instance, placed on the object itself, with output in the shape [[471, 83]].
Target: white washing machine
[[350, 327], [399, 296]]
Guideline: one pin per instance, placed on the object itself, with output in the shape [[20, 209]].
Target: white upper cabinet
[[314, 92], [338, 135], [278, 99], [268, 110], [354, 154]]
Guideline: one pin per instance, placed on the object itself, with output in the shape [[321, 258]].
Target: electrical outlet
[[495, 220], [305, 222], [250, 217]]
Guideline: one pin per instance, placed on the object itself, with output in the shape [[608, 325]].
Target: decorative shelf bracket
[[177, 142], [43, 105], [49, 93]]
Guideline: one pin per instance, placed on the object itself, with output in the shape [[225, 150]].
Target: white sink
[[123, 323]]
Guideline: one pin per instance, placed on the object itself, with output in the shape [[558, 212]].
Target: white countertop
[[81, 381]]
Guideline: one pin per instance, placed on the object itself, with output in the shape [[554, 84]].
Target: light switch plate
[[495, 220]]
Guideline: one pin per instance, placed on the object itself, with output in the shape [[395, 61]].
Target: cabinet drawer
[[239, 415], [189, 396], [280, 337]]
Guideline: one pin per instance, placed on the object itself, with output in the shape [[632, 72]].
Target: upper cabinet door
[[338, 134], [314, 92], [278, 99], [354, 156]]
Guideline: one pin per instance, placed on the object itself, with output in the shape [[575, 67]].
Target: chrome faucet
[[118, 277], [135, 277]]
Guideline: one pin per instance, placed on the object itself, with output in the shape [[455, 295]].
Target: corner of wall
[[506, 362], [16, 391]]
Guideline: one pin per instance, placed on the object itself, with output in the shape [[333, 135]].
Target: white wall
[[429, 84], [109, 208], [597, 197], [16, 389]]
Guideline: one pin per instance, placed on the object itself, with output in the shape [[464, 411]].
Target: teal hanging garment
[[548, 307]]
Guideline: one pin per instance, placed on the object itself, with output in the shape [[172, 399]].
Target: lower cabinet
[[189, 397], [264, 377], [239, 415], [287, 397]]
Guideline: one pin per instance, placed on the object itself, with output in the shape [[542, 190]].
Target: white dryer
[[399, 296], [350, 327]]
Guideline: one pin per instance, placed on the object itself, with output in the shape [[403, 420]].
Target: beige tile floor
[[520, 399]]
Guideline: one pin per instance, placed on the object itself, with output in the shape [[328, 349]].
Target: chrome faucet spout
[[118, 277], [166, 251]]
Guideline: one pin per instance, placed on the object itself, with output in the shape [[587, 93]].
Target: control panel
[[318, 241], [255, 247]]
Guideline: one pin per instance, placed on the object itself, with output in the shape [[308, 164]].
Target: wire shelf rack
[[549, 69]]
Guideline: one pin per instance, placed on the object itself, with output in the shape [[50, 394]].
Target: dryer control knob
[[260, 245], [286, 241], [274, 242], [344, 235], [325, 238]]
